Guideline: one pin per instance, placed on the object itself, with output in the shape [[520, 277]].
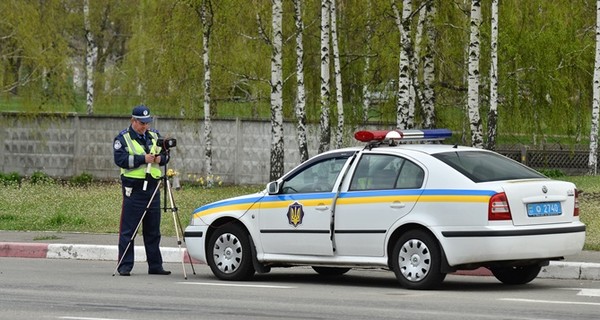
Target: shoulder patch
[[117, 145]]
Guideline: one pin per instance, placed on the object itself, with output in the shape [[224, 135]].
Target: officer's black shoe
[[159, 271], [125, 273]]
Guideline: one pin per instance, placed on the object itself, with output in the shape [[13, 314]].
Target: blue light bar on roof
[[426, 134]]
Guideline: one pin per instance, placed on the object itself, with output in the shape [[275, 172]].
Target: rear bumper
[[510, 243]]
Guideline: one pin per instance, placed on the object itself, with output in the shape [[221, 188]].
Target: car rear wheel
[[516, 275], [330, 271], [416, 261], [229, 254]]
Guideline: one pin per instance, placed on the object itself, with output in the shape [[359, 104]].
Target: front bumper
[[195, 241]]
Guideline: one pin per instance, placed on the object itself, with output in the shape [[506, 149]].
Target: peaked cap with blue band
[[142, 113]]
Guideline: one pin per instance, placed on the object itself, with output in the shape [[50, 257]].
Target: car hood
[[235, 206]]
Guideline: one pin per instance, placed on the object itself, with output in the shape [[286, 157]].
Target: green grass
[[97, 208]]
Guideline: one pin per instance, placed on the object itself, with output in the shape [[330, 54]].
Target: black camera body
[[166, 143]]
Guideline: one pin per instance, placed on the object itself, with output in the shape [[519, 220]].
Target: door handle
[[322, 207], [397, 205]]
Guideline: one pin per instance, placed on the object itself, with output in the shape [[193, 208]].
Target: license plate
[[543, 209]]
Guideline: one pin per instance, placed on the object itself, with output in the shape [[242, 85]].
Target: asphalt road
[[72, 289]]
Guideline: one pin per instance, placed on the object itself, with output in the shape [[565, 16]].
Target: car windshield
[[482, 166]]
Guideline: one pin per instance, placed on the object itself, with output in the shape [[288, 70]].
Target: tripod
[[176, 221]]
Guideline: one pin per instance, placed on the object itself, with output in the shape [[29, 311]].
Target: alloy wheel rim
[[227, 253], [414, 260]]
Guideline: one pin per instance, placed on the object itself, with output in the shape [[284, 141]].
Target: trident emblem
[[295, 214]]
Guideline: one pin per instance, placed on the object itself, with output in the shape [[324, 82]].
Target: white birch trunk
[[325, 135], [366, 72], [493, 113], [301, 90], [206, 30], [277, 151], [338, 77], [416, 93], [404, 116], [429, 69], [473, 76], [91, 56], [593, 158]]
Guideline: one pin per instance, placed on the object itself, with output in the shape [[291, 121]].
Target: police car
[[404, 202]]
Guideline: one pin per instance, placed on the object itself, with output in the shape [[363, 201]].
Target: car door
[[297, 220], [383, 189]]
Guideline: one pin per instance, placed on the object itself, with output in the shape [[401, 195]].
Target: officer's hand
[[150, 158], [157, 159]]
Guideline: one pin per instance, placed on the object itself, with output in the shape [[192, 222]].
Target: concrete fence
[[69, 145]]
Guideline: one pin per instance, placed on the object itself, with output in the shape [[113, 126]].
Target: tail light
[[498, 208], [576, 209]]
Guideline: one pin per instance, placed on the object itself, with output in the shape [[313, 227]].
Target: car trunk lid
[[534, 202]]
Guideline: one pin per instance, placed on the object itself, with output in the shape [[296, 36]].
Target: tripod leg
[[187, 252], [177, 230], [136, 229]]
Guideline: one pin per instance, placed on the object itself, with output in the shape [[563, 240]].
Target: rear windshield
[[482, 166]]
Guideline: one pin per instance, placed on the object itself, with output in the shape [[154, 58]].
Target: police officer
[[136, 152]]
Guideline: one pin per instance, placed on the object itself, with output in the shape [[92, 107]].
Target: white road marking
[[589, 292], [84, 318], [552, 302], [237, 285]]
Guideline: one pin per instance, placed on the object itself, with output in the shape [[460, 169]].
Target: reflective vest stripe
[[135, 148]]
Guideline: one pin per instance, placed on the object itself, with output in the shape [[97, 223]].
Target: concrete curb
[[556, 269], [84, 252]]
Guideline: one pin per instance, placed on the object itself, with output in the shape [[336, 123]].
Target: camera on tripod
[[166, 143]]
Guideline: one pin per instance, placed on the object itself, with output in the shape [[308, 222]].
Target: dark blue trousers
[[135, 202]]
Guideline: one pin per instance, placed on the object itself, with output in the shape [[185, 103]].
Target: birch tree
[[416, 93], [473, 76], [277, 151], [338, 77], [428, 105], [593, 158], [206, 15], [325, 134], [366, 71], [91, 54], [492, 126], [404, 116], [300, 89]]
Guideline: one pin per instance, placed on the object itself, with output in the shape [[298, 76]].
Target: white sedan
[[421, 210]]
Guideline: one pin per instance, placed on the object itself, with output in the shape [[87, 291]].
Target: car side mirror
[[273, 187]]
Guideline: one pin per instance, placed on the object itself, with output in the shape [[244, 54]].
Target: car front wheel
[[416, 261], [516, 275], [229, 254]]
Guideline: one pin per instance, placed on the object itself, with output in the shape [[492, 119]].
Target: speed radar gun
[[166, 145]]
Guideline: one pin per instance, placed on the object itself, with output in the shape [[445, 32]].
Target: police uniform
[[130, 149]]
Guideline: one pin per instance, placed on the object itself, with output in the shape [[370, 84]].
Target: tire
[[516, 275], [229, 254], [330, 271], [416, 261]]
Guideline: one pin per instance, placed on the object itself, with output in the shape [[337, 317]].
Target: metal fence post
[[523, 155]]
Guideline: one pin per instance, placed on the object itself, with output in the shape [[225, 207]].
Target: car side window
[[411, 176], [379, 172], [319, 177]]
